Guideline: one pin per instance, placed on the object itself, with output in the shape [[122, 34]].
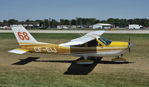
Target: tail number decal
[[23, 36], [53, 50], [48, 49]]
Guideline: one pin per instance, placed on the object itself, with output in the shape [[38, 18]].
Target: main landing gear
[[88, 60]]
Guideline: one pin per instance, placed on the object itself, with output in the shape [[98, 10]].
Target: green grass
[[49, 74], [41, 36], [49, 79], [70, 36]]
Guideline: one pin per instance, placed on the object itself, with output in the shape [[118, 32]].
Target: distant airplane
[[90, 46]]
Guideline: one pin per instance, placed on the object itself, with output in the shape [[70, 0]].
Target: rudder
[[22, 35]]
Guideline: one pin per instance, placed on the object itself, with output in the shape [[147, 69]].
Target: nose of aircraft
[[131, 44]]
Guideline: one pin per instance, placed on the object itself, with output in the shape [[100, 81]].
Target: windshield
[[105, 41]]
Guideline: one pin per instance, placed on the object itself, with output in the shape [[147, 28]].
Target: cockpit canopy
[[98, 42], [105, 41]]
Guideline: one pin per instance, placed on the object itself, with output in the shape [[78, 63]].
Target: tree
[[79, 21], [54, 23], [66, 22], [91, 21], [40, 22], [1, 24], [111, 21], [46, 23], [62, 21], [5, 22], [73, 22], [97, 21], [27, 20], [12, 21], [84, 22]]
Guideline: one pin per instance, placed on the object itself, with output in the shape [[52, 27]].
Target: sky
[[70, 9]]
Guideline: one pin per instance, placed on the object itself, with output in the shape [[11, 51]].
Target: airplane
[[88, 47]]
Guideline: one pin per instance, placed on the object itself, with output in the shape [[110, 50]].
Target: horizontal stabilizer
[[18, 51]]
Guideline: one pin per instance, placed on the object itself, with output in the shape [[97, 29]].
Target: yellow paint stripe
[[112, 49], [21, 49]]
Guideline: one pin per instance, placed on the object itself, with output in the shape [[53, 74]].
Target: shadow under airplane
[[74, 68], [26, 61]]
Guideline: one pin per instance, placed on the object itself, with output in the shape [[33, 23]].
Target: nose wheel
[[119, 59]]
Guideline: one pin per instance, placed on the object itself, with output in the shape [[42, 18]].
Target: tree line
[[82, 21]]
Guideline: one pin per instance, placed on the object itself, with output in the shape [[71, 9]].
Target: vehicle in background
[[4, 27], [135, 26], [62, 27], [102, 26]]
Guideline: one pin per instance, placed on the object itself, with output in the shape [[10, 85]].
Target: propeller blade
[[129, 39], [129, 50], [129, 45]]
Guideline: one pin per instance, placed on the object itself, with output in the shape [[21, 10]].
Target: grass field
[[49, 69]]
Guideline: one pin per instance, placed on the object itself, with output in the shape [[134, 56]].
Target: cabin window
[[92, 43], [100, 45], [105, 41]]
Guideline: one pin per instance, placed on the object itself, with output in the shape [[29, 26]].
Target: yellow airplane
[[89, 46]]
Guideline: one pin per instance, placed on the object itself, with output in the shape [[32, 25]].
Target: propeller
[[129, 45], [129, 49]]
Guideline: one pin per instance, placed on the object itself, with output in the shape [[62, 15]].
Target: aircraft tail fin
[[22, 35]]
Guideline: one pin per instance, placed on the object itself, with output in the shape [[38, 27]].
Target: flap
[[18, 51]]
